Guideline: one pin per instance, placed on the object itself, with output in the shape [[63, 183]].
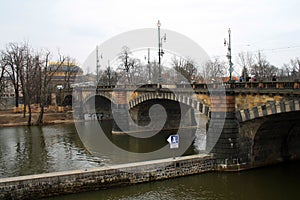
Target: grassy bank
[[9, 118]]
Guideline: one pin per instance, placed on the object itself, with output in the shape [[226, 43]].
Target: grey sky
[[76, 26]]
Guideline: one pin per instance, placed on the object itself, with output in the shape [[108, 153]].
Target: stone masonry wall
[[51, 184], [248, 101]]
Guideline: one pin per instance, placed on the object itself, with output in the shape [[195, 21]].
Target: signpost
[[174, 142]]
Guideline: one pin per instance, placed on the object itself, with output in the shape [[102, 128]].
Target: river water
[[274, 182], [34, 150]]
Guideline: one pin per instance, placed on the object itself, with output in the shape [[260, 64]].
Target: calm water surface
[[33, 150], [275, 182], [53, 148]]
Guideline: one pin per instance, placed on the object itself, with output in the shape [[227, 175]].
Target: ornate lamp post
[[229, 55], [160, 51], [148, 65], [108, 71], [149, 68], [97, 64]]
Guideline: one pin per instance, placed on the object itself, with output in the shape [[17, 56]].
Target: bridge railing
[[127, 86], [205, 86], [267, 85], [106, 86], [251, 85]]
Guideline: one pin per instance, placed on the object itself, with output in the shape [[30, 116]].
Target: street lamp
[[97, 64], [229, 54], [60, 87], [160, 51], [148, 65], [108, 71]]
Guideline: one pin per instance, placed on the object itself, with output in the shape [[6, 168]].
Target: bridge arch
[[277, 139], [267, 110], [176, 114], [195, 104], [101, 94], [67, 100], [98, 105]]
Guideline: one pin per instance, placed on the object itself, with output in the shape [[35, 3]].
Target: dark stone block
[[255, 112], [292, 105], [264, 110], [247, 114], [282, 106], [206, 109], [273, 108], [238, 116]]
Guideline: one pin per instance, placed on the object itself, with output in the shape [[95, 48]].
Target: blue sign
[[174, 141]]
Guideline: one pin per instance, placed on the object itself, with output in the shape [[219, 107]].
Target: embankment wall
[[59, 183]]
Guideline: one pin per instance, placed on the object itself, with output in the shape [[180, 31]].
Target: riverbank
[[10, 119], [60, 183]]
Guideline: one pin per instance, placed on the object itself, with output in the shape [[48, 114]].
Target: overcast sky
[[77, 26]]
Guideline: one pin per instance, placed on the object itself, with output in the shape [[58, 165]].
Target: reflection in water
[[31, 154], [124, 148], [33, 150]]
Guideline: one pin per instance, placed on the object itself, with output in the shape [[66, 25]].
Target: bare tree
[[295, 64], [186, 68], [24, 74], [124, 58], [285, 71], [262, 69], [45, 78], [29, 80], [213, 69], [245, 74], [127, 63], [138, 73], [290, 70], [70, 71], [246, 61], [154, 71], [108, 76], [2, 76], [3, 84], [13, 60]]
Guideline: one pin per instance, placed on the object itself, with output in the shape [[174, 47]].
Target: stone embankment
[[59, 183]]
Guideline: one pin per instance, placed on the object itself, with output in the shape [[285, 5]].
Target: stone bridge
[[253, 123]]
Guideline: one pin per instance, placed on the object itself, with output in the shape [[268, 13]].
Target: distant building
[[63, 77], [90, 77], [7, 97], [64, 74]]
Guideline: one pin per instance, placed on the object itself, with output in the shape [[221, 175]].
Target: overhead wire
[[263, 50]]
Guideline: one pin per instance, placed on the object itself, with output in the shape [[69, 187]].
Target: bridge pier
[[188, 117], [223, 128], [249, 123], [120, 112], [121, 118]]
